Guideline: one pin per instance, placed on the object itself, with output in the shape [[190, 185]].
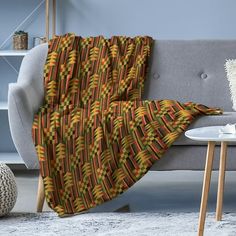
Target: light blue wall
[[162, 19]]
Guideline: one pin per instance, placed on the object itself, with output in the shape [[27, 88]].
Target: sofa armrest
[[24, 99], [20, 114]]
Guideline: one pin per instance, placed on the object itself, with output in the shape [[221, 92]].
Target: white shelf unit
[[13, 158], [10, 53], [3, 106], [10, 157], [13, 53]]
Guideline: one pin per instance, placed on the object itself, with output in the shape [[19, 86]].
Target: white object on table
[[228, 129]]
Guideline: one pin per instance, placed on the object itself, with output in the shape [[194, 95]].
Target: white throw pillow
[[230, 67]]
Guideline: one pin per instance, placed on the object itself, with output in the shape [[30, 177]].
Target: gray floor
[[168, 191]]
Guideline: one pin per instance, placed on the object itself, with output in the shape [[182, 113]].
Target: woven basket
[[20, 41], [8, 190]]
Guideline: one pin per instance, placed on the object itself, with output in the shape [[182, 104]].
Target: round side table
[[211, 135]]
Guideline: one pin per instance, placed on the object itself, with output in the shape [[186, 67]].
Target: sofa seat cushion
[[225, 118]]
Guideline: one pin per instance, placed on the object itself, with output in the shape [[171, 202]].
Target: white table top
[[210, 133]]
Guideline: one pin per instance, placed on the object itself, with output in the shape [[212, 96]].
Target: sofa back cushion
[[191, 70]]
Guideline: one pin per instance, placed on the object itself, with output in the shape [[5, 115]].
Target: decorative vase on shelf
[[20, 40], [39, 40]]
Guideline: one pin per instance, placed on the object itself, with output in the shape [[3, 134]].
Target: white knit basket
[[8, 190], [230, 67]]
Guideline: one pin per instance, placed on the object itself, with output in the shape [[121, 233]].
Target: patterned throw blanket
[[94, 135]]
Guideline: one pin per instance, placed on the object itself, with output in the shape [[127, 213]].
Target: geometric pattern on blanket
[[94, 136]]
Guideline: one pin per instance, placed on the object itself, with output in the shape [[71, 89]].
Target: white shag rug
[[114, 224]]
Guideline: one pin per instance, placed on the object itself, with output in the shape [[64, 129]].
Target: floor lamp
[[47, 15]]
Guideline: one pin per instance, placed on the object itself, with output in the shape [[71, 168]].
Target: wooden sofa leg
[[40, 195]]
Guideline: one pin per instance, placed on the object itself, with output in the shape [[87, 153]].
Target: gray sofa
[[190, 70]]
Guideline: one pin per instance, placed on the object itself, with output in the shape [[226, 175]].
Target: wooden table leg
[[41, 195], [206, 186], [221, 180]]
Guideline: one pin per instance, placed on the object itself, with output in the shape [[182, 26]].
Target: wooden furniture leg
[[206, 186], [40, 196], [221, 180], [47, 19], [54, 18]]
